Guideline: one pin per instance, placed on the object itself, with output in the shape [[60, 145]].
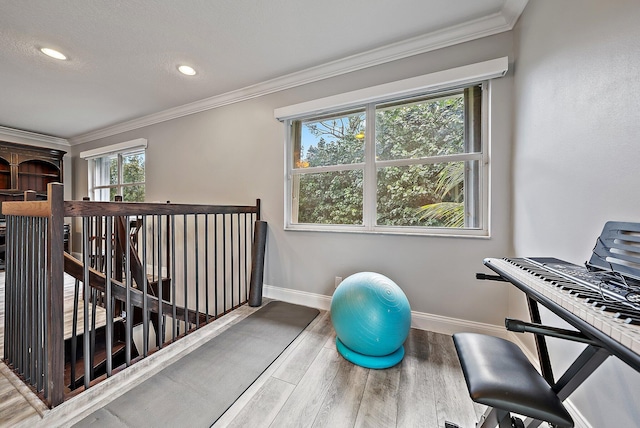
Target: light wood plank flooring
[[17, 403], [311, 385], [15, 398]]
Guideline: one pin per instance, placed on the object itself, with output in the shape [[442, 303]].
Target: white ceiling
[[123, 54]]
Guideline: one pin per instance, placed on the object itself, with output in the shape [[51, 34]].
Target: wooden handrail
[[95, 208], [28, 208]]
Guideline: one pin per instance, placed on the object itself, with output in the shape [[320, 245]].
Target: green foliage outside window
[[423, 194], [133, 166]]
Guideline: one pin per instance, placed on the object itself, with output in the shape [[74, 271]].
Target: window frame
[[120, 150], [434, 83]]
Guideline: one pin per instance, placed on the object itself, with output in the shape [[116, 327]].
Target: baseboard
[[313, 300], [579, 421], [448, 325], [419, 320]]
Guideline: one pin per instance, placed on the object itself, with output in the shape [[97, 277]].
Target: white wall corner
[[512, 10]]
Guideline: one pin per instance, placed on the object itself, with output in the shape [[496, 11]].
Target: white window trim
[[139, 143], [447, 79], [440, 80]]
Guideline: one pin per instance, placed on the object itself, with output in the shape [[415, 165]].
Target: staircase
[[74, 367]]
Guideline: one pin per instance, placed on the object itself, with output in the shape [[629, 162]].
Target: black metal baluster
[[159, 286], [215, 264], [74, 334], [23, 298], [224, 263], [173, 279], [145, 309], [45, 340], [206, 267], [8, 292], [184, 248], [92, 334], [29, 295], [195, 220], [41, 305], [108, 297], [239, 264], [129, 311], [239, 260], [85, 295], [231, 254], [246, 264]]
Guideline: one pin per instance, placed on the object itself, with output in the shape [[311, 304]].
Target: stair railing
[[33, 326], [148, 274]]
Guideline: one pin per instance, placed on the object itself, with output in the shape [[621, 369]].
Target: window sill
[[399, 231]]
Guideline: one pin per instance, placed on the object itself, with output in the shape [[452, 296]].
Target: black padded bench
[[499, 375]]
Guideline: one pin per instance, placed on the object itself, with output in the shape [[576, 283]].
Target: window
[[410, 163], [407, 157], [117, 170]]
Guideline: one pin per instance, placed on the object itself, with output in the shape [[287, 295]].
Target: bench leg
[[489, 419], [493, 418]]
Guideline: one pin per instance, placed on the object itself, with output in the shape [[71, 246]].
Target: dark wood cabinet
[[25, 167]]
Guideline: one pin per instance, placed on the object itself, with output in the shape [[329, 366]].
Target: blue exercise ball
[[371, 316]]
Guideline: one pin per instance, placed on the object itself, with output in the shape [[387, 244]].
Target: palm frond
[[450, 177], [445, 214]]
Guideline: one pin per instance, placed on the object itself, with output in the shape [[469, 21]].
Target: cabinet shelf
[[24, 167], [38, 174]]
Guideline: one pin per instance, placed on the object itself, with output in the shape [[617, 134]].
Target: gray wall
[[576, 159], [235, 154]]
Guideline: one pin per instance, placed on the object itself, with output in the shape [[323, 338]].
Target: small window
[[410, 165], [118, 174]]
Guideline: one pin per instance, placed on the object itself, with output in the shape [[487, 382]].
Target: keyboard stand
[[584, 365], [587, 362], [576, 294]]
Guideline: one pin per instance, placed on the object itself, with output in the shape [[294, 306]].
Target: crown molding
[[25, 137], [512, 10], [492, 24]]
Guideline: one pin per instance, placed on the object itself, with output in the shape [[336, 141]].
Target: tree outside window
[[119, 174], [419, 168]]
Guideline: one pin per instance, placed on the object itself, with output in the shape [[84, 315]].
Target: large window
[[408, 157], [408, 165], [119, 171]]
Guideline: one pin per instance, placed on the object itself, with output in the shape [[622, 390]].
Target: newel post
[[55, 294], [257, 263]]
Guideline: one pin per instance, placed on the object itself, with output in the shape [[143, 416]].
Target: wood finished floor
[[311, 385], [14, 406], [17, 403]]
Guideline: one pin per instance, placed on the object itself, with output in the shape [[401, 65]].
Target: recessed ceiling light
[[53, 53], [185, 69]]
